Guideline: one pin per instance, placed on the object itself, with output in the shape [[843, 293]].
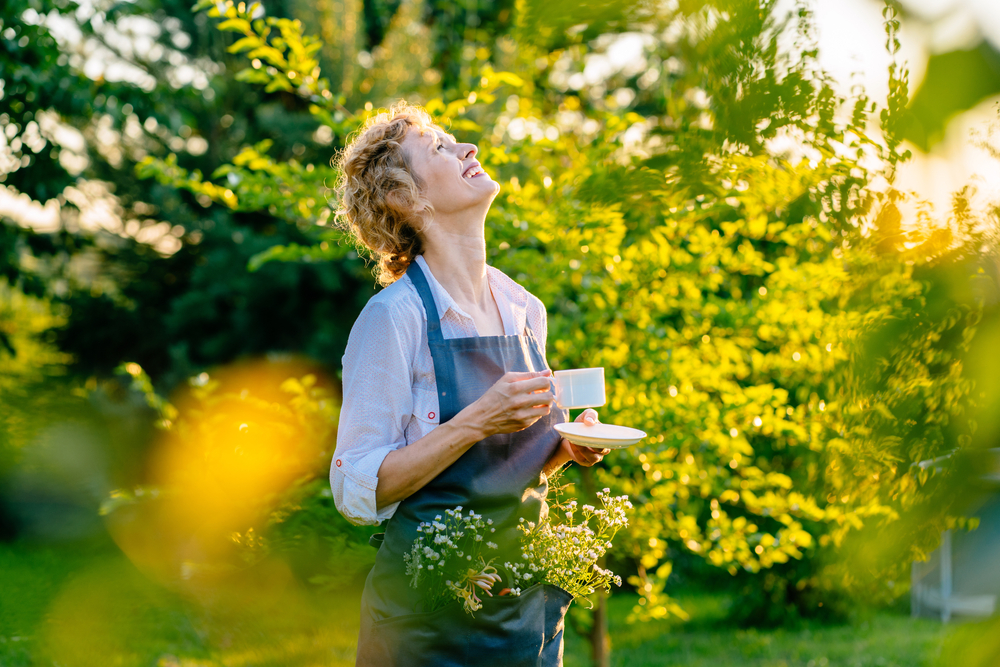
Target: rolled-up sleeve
[[378, 404]]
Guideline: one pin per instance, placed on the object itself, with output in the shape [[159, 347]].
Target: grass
[[87, 605], [885, 640]]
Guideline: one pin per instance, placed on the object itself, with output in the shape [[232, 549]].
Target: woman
[[447, 395]]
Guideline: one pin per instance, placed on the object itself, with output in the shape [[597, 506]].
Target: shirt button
[[430, 415], [338, 463]]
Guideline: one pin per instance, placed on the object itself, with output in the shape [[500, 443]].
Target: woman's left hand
[[585, 456]]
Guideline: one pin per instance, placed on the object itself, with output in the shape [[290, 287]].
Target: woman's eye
[[440, 145]]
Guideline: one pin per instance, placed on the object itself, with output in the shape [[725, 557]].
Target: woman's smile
[[474, 171]]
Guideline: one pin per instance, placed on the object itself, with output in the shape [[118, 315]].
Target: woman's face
[[450, 175]]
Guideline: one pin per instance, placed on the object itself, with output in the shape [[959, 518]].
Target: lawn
[[884, 640], [87, 605]]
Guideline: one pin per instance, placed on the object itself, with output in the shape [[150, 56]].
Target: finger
[[520, 376], [597, 455], [588, 417], [532, 384], [585, 456], [529, 416], [536, 399]]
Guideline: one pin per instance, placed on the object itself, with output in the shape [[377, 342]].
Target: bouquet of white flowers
[[449, 559], [565, 554]]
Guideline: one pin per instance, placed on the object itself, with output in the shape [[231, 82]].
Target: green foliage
[[289, 190], [163, 263], [33, 74], [954, 82], [29, 362], [27, 353], [716, 322], [241, 463]]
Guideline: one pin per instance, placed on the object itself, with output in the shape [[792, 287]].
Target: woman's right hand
[[514, 402]]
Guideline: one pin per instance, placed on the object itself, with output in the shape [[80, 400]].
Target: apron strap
[[416, 275]]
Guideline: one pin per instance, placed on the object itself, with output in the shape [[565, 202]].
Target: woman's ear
[[424, 213], [423, 220]]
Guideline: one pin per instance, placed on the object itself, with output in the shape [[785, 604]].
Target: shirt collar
[[517, 299], [442, 299]]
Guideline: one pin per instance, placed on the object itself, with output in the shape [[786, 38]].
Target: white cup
[[580, 388]]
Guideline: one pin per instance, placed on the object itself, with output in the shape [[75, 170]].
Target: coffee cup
[[579, 388]]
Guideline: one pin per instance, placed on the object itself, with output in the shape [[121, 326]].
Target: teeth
[[473, 172]]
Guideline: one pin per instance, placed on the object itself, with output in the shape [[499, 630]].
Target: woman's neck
[[458, 263]]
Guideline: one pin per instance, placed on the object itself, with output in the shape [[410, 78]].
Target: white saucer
[[600, 436]]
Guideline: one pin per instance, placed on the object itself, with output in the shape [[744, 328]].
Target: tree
[[157, 261]]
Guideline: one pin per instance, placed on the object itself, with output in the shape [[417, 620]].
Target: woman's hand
[[513, 403], [585, 456]]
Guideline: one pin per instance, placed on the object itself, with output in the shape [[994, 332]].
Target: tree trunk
[[600, 643]]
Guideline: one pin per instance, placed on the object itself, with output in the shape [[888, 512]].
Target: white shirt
[[390, 393]]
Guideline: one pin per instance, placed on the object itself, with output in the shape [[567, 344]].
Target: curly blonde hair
[[378, 193]]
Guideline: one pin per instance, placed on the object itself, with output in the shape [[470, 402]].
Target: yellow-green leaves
[[280, 56], [167, 171], [254, 181]]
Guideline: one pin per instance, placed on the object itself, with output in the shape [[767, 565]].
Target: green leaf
[[244, 43], [294, 252], [278, 83], [236, 25]]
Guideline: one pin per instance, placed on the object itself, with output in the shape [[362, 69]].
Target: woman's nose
[[468, 150]]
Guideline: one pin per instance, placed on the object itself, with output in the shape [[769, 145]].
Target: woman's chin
[[485, 185]]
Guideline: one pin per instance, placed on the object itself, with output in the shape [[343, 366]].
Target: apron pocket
[[526, 630], [557, 601], [416, 640]]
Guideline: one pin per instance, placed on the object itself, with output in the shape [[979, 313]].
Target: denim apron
[[499, 477]]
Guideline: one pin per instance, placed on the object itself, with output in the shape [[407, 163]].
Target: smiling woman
[[392, 181], [447, 398]]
